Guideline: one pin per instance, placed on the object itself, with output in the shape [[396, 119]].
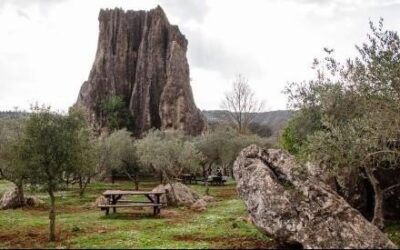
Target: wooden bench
[[114, 200]]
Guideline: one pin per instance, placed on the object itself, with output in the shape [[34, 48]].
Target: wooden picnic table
[[114, 200]]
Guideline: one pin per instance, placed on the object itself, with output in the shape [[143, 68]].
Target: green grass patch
[[79, 225]]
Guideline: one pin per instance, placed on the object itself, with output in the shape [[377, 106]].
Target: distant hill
[[275, 120], [13, 114]]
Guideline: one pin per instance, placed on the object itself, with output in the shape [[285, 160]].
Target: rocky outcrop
[[142, 58], [297, 209], [177, 194]]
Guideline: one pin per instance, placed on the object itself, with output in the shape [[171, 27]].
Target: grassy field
[[81, 226]]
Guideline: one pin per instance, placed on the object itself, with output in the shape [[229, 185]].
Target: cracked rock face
[[297, 209], [141, 57]]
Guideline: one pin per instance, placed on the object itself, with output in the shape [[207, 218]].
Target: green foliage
[[303, 124], [115, 113], [131, 228], [11, 130], [85, 158], [223, 144], [54, 144], [120, 154], [51, 146], [260, 129], [169, 153], [358, 106]]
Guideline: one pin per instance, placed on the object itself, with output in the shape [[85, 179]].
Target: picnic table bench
[[114, 200]]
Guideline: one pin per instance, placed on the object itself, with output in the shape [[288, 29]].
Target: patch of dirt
[[32, 238], [244, 242], [226, 193], [175, 217]]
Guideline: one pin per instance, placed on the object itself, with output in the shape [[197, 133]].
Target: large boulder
[[177, 194], [141, 57], [296, 208], [14, 199]]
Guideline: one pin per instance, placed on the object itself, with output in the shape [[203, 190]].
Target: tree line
[[52, 150]]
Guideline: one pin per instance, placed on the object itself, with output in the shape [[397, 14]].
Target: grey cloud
[[187, 9], [206, 53], [23, 14]]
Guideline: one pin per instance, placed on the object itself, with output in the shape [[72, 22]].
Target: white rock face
[[296, 208]]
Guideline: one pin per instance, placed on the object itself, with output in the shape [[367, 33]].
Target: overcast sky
[[47, 47]]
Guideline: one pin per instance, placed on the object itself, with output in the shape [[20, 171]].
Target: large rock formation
[[142, 58], [298, 209]]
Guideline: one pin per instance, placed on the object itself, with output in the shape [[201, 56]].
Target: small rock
[[101, 200], [178, 195], [208, 198], [199, 206]]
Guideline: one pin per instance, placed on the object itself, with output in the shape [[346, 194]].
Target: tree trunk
[[21, 197], [82, 186], [52, 216], [67, 182], [206, 179], [135, 177], [378, 220]]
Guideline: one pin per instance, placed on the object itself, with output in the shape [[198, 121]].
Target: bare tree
[[242, 104]]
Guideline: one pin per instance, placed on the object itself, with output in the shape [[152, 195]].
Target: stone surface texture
[[12, 199], [177, 194], [141, 57], [296, 208]]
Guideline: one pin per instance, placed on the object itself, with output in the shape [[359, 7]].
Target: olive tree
[[122, 155], [356, 106], [223, 144], [85, 159], [169, 153], [11, 130], [47, 150]]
